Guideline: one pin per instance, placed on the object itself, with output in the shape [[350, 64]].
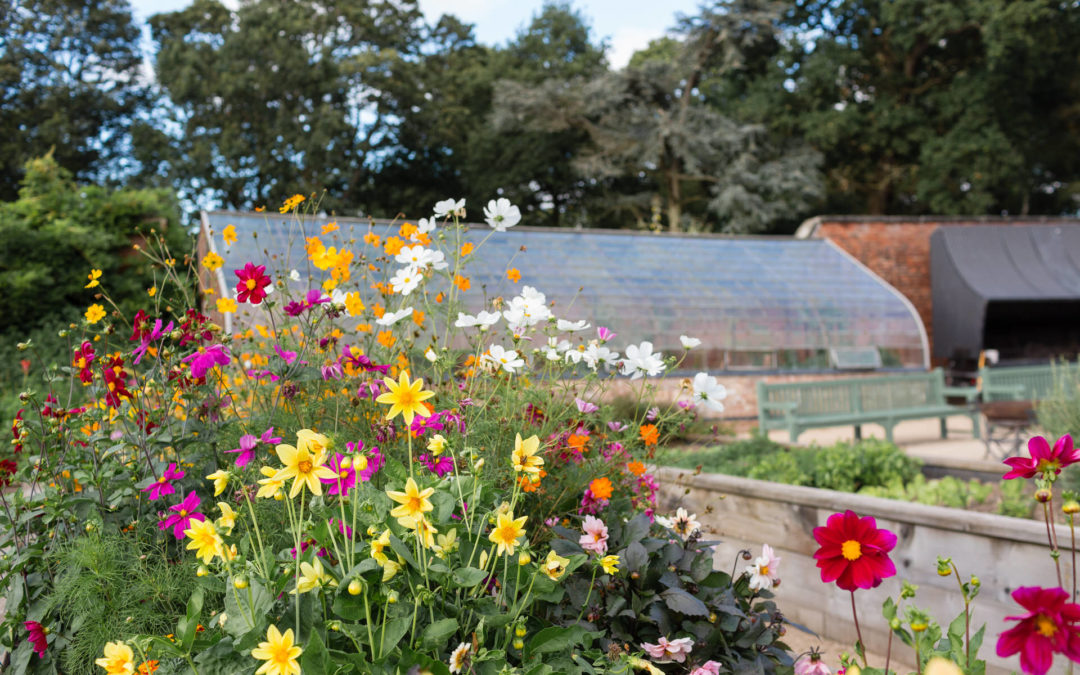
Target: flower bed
[[368, 480]]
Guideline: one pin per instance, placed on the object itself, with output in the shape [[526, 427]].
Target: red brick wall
[[898, 249]]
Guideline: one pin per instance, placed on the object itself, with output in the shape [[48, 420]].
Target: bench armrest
[[969, 394], [778, 405]]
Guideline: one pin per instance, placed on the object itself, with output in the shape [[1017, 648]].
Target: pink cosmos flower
[[375, 460], [616, 426], [354, 356], [37, 637], [605, 334], [440, 466], [332, 371], [812, 665], [183, 514], [345, 478], [709, 668], [248, 443], [1043, 459], [1051, 626], [148, 337], [584, 407], [163, 486], [664, 650], [206, 358], [765, 570], [286, 356], [596, 536]]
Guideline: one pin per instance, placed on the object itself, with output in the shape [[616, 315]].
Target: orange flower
[[407, 230], [418, 317], [513, 274], [531, 483], [386, 338], [466, 249], [578, 442], [363, 328], [649, 433], [378, 310], [329, 227], [372, 239], [147, 667], [462, 283], [636, 468], [439, 298], [393, 246], [601, 488]]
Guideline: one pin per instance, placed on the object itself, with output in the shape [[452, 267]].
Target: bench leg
[[975, 425], [944, 429], [858, 432], [793, 434], [888, 431]]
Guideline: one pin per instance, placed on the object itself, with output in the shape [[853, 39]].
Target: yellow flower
[[93, 277], [379, 546], [95, 313], [554, 565], [353, 304], [524, 456], [405, 397], [271, 484], [413, 501], [290, 204], [221, 481], [304, 466], [226, 305], [228, 235], [118, 660], [610, 563], [152, 291], [447, 543], [279, 653], [390, 569], [507, 532], [312, 577], [423, 527], [315, 443], [204, 540], [227, 521], [940, 666], [212, 261], [437, 444]]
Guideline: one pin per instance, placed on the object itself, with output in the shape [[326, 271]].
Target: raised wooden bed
[[1003, 552]]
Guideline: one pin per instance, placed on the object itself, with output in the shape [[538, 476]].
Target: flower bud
[[334, 626], [520, 631], [201, 571], [524, 559], [240, 582], [918, 626], [355, 587], [975, 581], [392, 597], [518, 643], [346, 462], [894, 623], [1070, 507], [1042, 495]]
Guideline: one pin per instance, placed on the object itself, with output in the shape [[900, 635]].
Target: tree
[[274, 98], [931, 106], [69, 84], [654, 138]]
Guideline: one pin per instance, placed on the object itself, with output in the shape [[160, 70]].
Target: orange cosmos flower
[[386, 338], [393, 246], [513, 274], [649, 433], [329, 227], [636, 468], [466, 249], [601, 488], [462, 283], [372, 239]]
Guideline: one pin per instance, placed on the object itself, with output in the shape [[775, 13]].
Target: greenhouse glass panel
[[737, 294]]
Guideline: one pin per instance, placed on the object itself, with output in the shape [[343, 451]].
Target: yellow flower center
[[1045, 625], [405, 398], [414, 505], [250, 284], [82, 363], [162, 479], [851, 550], [304, 466], [343, 473], [279, 655], [183, 512], [764, 570]]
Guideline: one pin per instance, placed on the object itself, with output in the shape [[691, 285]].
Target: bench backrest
[[1025, 383], [855, 395]]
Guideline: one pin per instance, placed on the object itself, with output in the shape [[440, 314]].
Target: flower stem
[[589, 595], [1072, 537], [1053, 544], [858, 631]]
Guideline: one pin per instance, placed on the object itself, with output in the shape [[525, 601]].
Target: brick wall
[[898, 249]]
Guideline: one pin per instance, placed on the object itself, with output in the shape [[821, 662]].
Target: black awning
[[1022, 266]]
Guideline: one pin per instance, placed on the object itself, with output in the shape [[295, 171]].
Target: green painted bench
[[1024, 383], [886, 400]]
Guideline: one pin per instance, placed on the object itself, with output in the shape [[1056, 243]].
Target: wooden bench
[[1025, 383], [886, 400]]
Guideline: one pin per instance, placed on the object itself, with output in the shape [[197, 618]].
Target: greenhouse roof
[[737, 294]]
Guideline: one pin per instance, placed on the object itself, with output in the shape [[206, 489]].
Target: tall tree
[[274, 98], [69, 84], [656, 140], [932, 106]]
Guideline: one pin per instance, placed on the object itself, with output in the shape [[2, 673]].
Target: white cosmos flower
[[501, 214], [689, 342], [483, 320], [390, 318], [555, 349], [337, 296], [294, 275], [425, 225], [709, 392], [405, 280], [527, 309], [571, 326], [448, 207], [430, 355], [575, 355], [765, 570], [595, 355], [420, 257], [640, 360], [507, 359]]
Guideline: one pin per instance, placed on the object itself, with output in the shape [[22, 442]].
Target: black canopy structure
[[1012, 288]]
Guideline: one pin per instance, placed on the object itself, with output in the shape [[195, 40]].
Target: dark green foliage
[[69, 83]]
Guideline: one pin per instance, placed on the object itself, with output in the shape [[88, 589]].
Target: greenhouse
[[759, 303]]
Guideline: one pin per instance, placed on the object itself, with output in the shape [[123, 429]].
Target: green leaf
[[635, 556], [637, 529], [188, 625], [467, 577], [246, 608], [436, 634], [315, 658], [557, 639], [395, 630], [680, 601], [403, 551]]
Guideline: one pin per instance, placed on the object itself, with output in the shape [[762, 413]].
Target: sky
[[627, 25]]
